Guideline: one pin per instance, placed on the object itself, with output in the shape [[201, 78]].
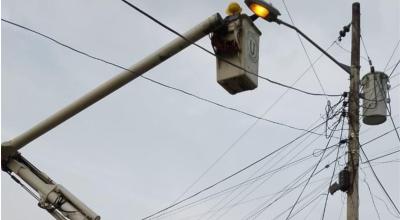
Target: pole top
[[356, 5]]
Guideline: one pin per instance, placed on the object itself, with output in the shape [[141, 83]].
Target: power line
[[348, 51], [249, 128], [303, 199], [261, 183], [370, 193], [264, 164], [378, 180], [365, 48], [396, 86], [387, 207], [333, 173], [386, 162], [394, 68], [390, 68], [389, 107], [175, 88], [225, 153], [209, 52], [377, 137], [205, 199], [368, 142], [382, 156], [327, 166], [297, 200], [249, 180], [222, 59], [394, 125], [305, 50], [375, 175], [366, 51], [396, 74], [259, 212], [285, 191], [244, 183], [232, 175], [314, 191], [263, 206], [221, 156], [216, 103], [175, 32], [391, 56], [152, 80], [121, 67], [311, 210]]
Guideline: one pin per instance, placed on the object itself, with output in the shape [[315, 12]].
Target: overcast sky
[[136, 151]]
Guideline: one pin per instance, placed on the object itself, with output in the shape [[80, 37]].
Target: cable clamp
[[344, 141]]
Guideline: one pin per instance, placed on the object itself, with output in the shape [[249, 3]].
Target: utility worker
[[233, 9]]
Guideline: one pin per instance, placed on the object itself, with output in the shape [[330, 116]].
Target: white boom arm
[[60, 203]]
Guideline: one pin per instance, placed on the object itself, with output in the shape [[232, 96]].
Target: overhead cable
[[379, 181], [366, 52], [244, 183], [225, 152], [391, 56], [378, 137], [390, 75], [305, 51], [370, 193], [233, 174], [265, 206], [266, 179], [319, 194], [376, 176], [247, 131], [333, 173], [152, 80], [297, 200], [381, 156], [389, 108], [270, 176], [348, 51]]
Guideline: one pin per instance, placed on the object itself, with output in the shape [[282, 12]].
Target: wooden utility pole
[[353, 114]]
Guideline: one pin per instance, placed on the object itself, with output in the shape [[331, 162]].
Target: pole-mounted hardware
[[343, 183], [268, 12]]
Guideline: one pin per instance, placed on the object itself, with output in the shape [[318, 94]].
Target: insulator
[[342, 33]]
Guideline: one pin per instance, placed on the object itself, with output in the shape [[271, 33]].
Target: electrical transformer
[[374, 87], [237, 47]]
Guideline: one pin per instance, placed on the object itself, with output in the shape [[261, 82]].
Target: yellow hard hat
[[233, 8]]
